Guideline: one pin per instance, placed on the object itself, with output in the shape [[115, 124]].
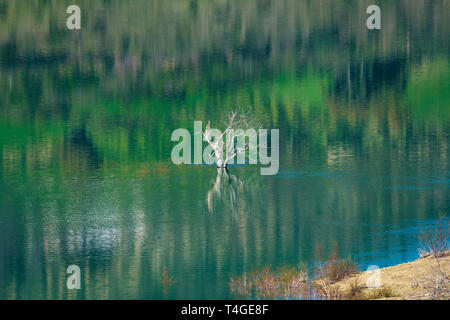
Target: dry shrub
[[265, 283], [436, 241], [335, 269], [383, 292], [437, 283], [328, 292], [355, 290], [294, 282]]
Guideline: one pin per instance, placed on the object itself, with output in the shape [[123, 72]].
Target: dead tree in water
[[239, 127]]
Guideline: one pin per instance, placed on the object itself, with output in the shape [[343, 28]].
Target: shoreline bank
[[424, 278]]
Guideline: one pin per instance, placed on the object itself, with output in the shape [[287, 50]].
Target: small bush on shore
[[329, 292], [354, 290], [436, 241], [335, 269], [383, 292]]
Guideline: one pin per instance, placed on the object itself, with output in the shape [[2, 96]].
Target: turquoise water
[[86, 118]]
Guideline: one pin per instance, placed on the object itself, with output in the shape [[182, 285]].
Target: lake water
[[86, 119]]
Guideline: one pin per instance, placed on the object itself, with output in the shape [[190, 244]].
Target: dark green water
[[86, 118]]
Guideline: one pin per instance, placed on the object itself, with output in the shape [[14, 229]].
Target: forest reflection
[[86, 119]]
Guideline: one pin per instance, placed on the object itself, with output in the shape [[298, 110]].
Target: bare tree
[[436, 241], [239, 129], [436, 246]]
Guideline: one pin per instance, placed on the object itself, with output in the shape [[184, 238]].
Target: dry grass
[[435, 244], [336, 279], [376, 294], [294, 282], [352, 290], [412, 280], [437, 284], [266, 283], [327, 292], [335, 269], [424, 278], [355, 290]]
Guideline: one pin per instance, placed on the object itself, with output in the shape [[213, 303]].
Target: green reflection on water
[[86, 119]]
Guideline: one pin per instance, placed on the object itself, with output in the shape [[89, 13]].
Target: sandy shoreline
[[412, 280]]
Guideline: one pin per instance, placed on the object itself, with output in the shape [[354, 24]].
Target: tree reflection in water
[[230, 192]]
